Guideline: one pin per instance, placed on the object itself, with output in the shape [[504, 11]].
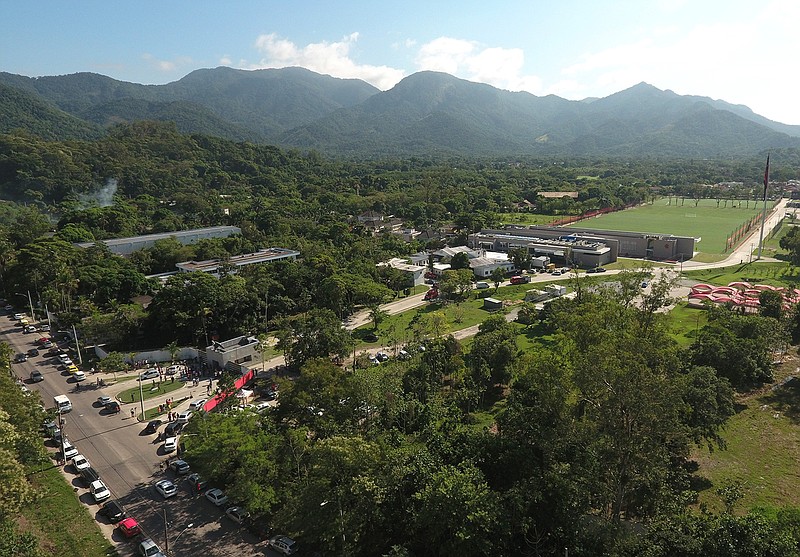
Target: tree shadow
[[785, 398]]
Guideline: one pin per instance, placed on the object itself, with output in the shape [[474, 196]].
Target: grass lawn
[[60, 522], [686, 322], [705, 221], [132, 394], [763, 448], [400, 327]]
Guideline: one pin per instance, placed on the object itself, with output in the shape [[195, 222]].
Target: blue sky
[[741, 51]]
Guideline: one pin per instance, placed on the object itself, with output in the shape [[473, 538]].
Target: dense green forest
[[590, 449]]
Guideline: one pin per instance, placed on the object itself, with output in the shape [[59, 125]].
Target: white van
[[62, 403]]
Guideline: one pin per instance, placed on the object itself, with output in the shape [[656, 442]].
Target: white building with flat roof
[[212, 266]]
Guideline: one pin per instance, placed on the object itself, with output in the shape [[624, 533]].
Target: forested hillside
[[425, 113]]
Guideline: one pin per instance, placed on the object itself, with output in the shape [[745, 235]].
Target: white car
[[216, 496], [184, 417], [64, 357], [79, 376], [172, 370], [197, 404], [148, 548], [66, 362], [166, 488], [103, 400], [69, 450], [99, 491], [80, 462], [170, 444], [149, 374]]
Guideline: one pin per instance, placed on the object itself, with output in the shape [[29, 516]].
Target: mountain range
[[425, 113]]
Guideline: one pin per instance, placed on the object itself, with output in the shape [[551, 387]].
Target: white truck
[[62, 403], [540, 262]]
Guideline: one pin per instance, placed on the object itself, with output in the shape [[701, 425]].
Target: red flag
[[766, 177]]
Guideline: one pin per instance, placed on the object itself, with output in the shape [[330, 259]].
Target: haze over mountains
[[426, 113]]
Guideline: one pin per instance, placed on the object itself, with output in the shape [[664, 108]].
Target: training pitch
[[707, 222]]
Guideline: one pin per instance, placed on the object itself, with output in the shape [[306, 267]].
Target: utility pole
[[30, 303], [141, 396], [166, 536], [77, 345], [63, 435]]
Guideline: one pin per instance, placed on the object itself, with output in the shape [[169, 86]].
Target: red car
[[129, 527]]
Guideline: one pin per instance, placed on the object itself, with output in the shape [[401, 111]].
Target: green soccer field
[[711, 225]]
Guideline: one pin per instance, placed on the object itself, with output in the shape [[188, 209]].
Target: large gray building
[[585, 247], [126, 246]]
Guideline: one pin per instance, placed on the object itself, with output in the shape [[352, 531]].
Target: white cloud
[[225, 61], [167, 65], [332, 58], [738, 61], [497, 66]]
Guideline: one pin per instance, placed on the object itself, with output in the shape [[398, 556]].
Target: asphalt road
[[130, 463]]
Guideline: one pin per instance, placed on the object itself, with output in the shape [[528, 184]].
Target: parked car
[[37, 376], [129, 527], [481, 285], [237, 514], [197, 481], [216, 496], [30, 329], [382, 356], [149, 548], [270, 394], [113, 511], [197, 404], [166, 488], [103, 400], [184, 417], [19, 358], [79, 462], [69, 450], [99, 491], [152, 426], [172, 370], [44, 327], [170, 444], [79, 375], [89, 475], [179, 466], [172, 429], [113, 407], [149, 374], [283, 544], [47, 344], [33, 352]]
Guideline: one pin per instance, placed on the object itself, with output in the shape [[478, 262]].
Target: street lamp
[[166, 533], [175, 542]]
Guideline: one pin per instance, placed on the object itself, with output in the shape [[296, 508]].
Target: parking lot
[[128, 460]]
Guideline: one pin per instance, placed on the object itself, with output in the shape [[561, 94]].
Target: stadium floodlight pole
[[764, 210]]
